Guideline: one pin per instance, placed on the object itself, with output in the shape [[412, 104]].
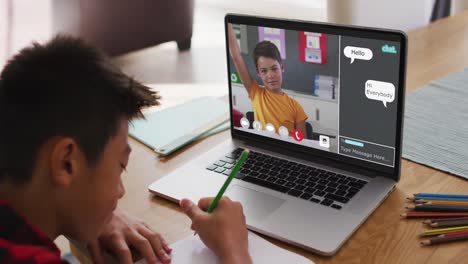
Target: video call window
[[327, 92]]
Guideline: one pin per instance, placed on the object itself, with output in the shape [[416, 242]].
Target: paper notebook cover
[[169, 129], [191, 250]]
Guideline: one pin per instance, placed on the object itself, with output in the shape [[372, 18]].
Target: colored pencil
[[445, 195], [438, 220], [450, 223], [438, 208], [440, 240], [454, 234], [439, 231], [431, 214], [446, 202], [437, 198], [235, 170]]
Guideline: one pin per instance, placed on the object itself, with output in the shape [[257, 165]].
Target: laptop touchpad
[[257, 205]]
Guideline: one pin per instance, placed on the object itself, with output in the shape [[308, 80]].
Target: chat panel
[[369, 72]]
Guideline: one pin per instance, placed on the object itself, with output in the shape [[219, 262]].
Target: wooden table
[[434, 51]]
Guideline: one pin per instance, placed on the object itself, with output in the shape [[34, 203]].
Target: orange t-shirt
[[277, 109]]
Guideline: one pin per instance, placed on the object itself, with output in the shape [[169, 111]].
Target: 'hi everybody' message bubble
[[357, 53], [380, 91]]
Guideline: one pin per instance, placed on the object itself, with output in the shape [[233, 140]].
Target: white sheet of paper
[[192, 250]]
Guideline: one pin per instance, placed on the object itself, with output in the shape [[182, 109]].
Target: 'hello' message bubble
[[380, 91], [357, 53]]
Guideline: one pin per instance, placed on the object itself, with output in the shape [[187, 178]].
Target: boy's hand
[[124, 230], [239, 62], [224, 230], [231, 37]]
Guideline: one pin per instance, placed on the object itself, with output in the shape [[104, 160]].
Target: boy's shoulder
[[255, 89], [21, 242], [11, 252]]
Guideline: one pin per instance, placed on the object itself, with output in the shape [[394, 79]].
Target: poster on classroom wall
[[275, 35], [313, 47]]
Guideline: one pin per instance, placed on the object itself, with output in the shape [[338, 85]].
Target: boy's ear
[[282, 67], [64, 160]]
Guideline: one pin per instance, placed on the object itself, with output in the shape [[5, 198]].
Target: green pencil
[[234, 172], [450, 223]]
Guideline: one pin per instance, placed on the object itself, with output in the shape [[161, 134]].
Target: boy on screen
[[269, 102]]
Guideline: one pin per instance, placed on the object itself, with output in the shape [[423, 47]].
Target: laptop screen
[[332, 90]]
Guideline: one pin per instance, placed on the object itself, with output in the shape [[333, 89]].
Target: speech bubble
[[380, 91], [357, 53]]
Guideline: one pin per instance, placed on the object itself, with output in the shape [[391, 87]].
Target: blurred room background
[[125, 28]]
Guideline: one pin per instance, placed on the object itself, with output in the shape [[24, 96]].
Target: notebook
[[192, 250], [168, 130]]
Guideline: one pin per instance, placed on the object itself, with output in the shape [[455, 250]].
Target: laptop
[[312, 181]]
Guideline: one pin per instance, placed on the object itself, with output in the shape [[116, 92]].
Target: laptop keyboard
[[313, 184]]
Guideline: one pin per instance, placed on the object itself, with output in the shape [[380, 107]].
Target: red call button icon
[[297, 134]]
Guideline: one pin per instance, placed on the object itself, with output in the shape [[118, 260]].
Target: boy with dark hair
[[269, 102], [266, 49], [64, 114]]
